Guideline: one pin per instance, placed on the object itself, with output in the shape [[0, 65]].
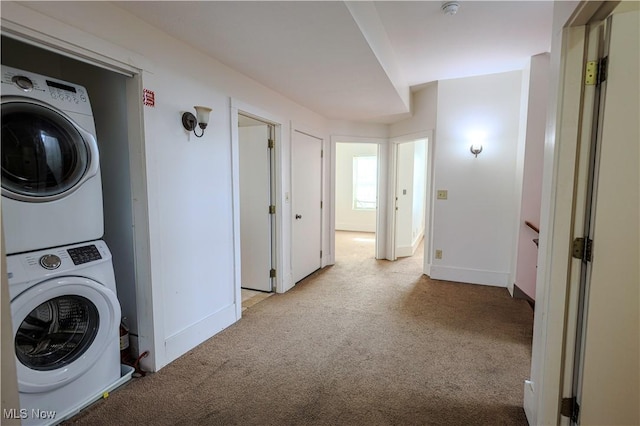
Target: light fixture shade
[[202, 115]]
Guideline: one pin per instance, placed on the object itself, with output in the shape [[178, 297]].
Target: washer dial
[[50, 261], [23, 82]]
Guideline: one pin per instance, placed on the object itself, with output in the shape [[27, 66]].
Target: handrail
[[532, 226]]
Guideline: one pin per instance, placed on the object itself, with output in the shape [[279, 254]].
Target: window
[[365, 174]]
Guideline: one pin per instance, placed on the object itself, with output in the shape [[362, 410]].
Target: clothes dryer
[[66, 319], [51, 185]]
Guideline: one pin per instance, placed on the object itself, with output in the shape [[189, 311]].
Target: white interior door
[[410, 224], [307, 198], [611, 368], [255, 198]]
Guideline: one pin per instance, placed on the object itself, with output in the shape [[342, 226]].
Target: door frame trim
[[429, 199], [51, 35], [381, 210], [279, 125]]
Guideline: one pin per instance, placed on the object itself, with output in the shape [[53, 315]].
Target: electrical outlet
[[442, 194], [438, 254]]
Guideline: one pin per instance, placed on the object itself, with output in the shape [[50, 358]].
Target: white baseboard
[[287, 283], [404, 251], [529, 402], [187, 339], [471, 276]]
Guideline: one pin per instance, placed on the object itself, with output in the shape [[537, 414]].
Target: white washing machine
[[51, 186], [66, 319]]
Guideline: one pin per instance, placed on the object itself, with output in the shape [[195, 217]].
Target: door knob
[[298, 216]]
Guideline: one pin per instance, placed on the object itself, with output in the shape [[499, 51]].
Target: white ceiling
[[356, 60]]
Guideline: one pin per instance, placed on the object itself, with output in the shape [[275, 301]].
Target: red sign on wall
[[148, 98]]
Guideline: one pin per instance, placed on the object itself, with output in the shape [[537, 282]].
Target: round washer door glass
[[56, 332], [43, 154]]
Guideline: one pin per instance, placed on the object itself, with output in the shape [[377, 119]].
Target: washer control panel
[[89, 259], [23, 82], [62, 258], [64, 95], [65, 92], [84, 254]]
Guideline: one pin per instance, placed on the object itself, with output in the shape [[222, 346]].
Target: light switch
[[442, 194]]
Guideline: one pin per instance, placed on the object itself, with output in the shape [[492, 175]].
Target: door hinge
[[582, 249], [596, 72], [591, 73], [320, 204], [322, 153], [270, 143], [272, 273], [602, 69], [570, 408], [320, 254], [272, 209]]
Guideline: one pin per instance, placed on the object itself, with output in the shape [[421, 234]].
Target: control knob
[[23, 82], [50, 261]]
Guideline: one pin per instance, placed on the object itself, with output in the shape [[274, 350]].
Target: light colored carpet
[[365, 342], [251, 297]]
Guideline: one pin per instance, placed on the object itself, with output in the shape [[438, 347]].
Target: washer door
[[61, 327], [45, 155]]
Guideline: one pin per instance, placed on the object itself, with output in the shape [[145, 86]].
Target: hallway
[[362, 342]]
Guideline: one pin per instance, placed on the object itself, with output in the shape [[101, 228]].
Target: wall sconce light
[[476, 149], [189, 121]]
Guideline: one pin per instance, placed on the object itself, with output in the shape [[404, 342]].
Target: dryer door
[[45, 155], [60, 329]]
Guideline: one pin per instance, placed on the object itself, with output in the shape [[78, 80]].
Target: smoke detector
[[450, 7]]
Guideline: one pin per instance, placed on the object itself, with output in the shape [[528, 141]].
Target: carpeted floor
[[251, 297], [364, 342]]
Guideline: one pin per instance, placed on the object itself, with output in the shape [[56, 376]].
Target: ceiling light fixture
[[450, 7]]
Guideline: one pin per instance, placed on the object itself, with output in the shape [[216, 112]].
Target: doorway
[[356, 200], [410, 199], [257, 203], [118, 127]]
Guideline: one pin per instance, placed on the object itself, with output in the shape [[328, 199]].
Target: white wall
[[424, 106], [474, 227], [527, 251], [358, 129], [348, 218], [191, 294]]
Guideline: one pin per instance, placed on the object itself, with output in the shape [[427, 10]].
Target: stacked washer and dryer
[[64, 307]]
